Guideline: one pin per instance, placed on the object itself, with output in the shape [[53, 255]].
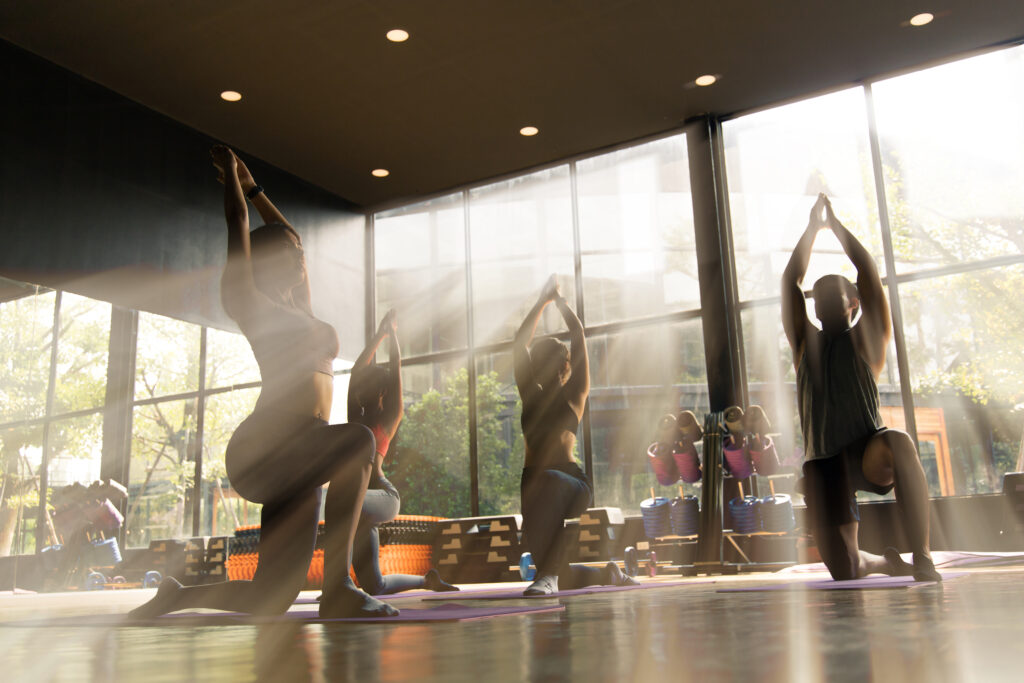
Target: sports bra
[[382, 439], [545, 417], [293, 343]]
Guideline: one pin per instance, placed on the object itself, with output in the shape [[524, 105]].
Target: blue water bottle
[[526, 572]]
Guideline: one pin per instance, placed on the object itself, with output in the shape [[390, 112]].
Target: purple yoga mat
[[943, 559], [869, 583], [449, 612], [517, 594], [418, 593]]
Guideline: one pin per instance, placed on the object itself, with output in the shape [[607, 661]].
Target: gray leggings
[[381, 505], [550, 496]]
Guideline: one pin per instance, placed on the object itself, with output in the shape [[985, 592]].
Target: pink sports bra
[[383, 440]]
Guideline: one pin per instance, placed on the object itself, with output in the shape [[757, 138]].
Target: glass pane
[[167, 359], [429, 458], [638, 376], [339, 404], [500, 446], [21, 451], [82, 352], [76, 449], [964, 335], [636, 232], [420, 255], [777, 161], [162, 471], [952, 143], [521, 233], [223, 509], [26, 329], [229, 359]]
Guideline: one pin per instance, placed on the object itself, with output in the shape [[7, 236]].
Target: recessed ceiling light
[[706, 79], [230, 96], [397, 35], [921, 19], [380, 173], [528, 131]]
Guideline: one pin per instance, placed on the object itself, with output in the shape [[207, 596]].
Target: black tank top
[[837, 395]]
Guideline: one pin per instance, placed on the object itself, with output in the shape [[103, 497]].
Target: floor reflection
[[969, 629]]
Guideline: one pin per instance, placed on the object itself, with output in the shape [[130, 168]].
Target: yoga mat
[[449, 612], [416, 593], [943, 559], [517, 594], [869, 583]]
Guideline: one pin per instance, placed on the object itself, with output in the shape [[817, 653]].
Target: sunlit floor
[[970, 629]]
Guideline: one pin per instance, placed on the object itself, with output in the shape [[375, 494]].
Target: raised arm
[[366, 359], [874, 329], [394, 406], [522, 367], [238, 289], [794, 310], [578, 385], [269, 213]]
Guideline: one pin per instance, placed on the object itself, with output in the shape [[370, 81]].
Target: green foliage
[[26, 330], [429, 462]]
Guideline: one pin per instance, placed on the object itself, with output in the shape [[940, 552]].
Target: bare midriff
[[557, 454], [302, 398]]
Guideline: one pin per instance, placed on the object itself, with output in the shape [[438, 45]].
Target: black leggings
[[287, 478], [549, 497], [830, 490], [380, 505]]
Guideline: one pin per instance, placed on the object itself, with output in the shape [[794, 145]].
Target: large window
[[617, 232], [184, 371], [956, 212], [53, 376], [953, 227], [777, 161]]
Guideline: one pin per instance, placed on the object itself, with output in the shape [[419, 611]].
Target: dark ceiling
[[328, 98]]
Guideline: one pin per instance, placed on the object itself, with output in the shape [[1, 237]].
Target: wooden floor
[[969, 629]]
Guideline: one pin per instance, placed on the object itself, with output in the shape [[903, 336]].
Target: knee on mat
[[842, 565]]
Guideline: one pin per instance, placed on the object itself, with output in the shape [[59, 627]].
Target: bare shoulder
[[870, 346]]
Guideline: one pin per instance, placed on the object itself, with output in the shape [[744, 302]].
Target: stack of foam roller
[[406, 544]]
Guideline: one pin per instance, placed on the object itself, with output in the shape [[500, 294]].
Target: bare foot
[[163, 602], [432, 581], [897, 565], [349, 601], [924, 569], [616, 577]]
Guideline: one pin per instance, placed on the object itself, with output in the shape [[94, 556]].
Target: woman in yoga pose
[[282, 454], [554, 382], [375, 400]]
